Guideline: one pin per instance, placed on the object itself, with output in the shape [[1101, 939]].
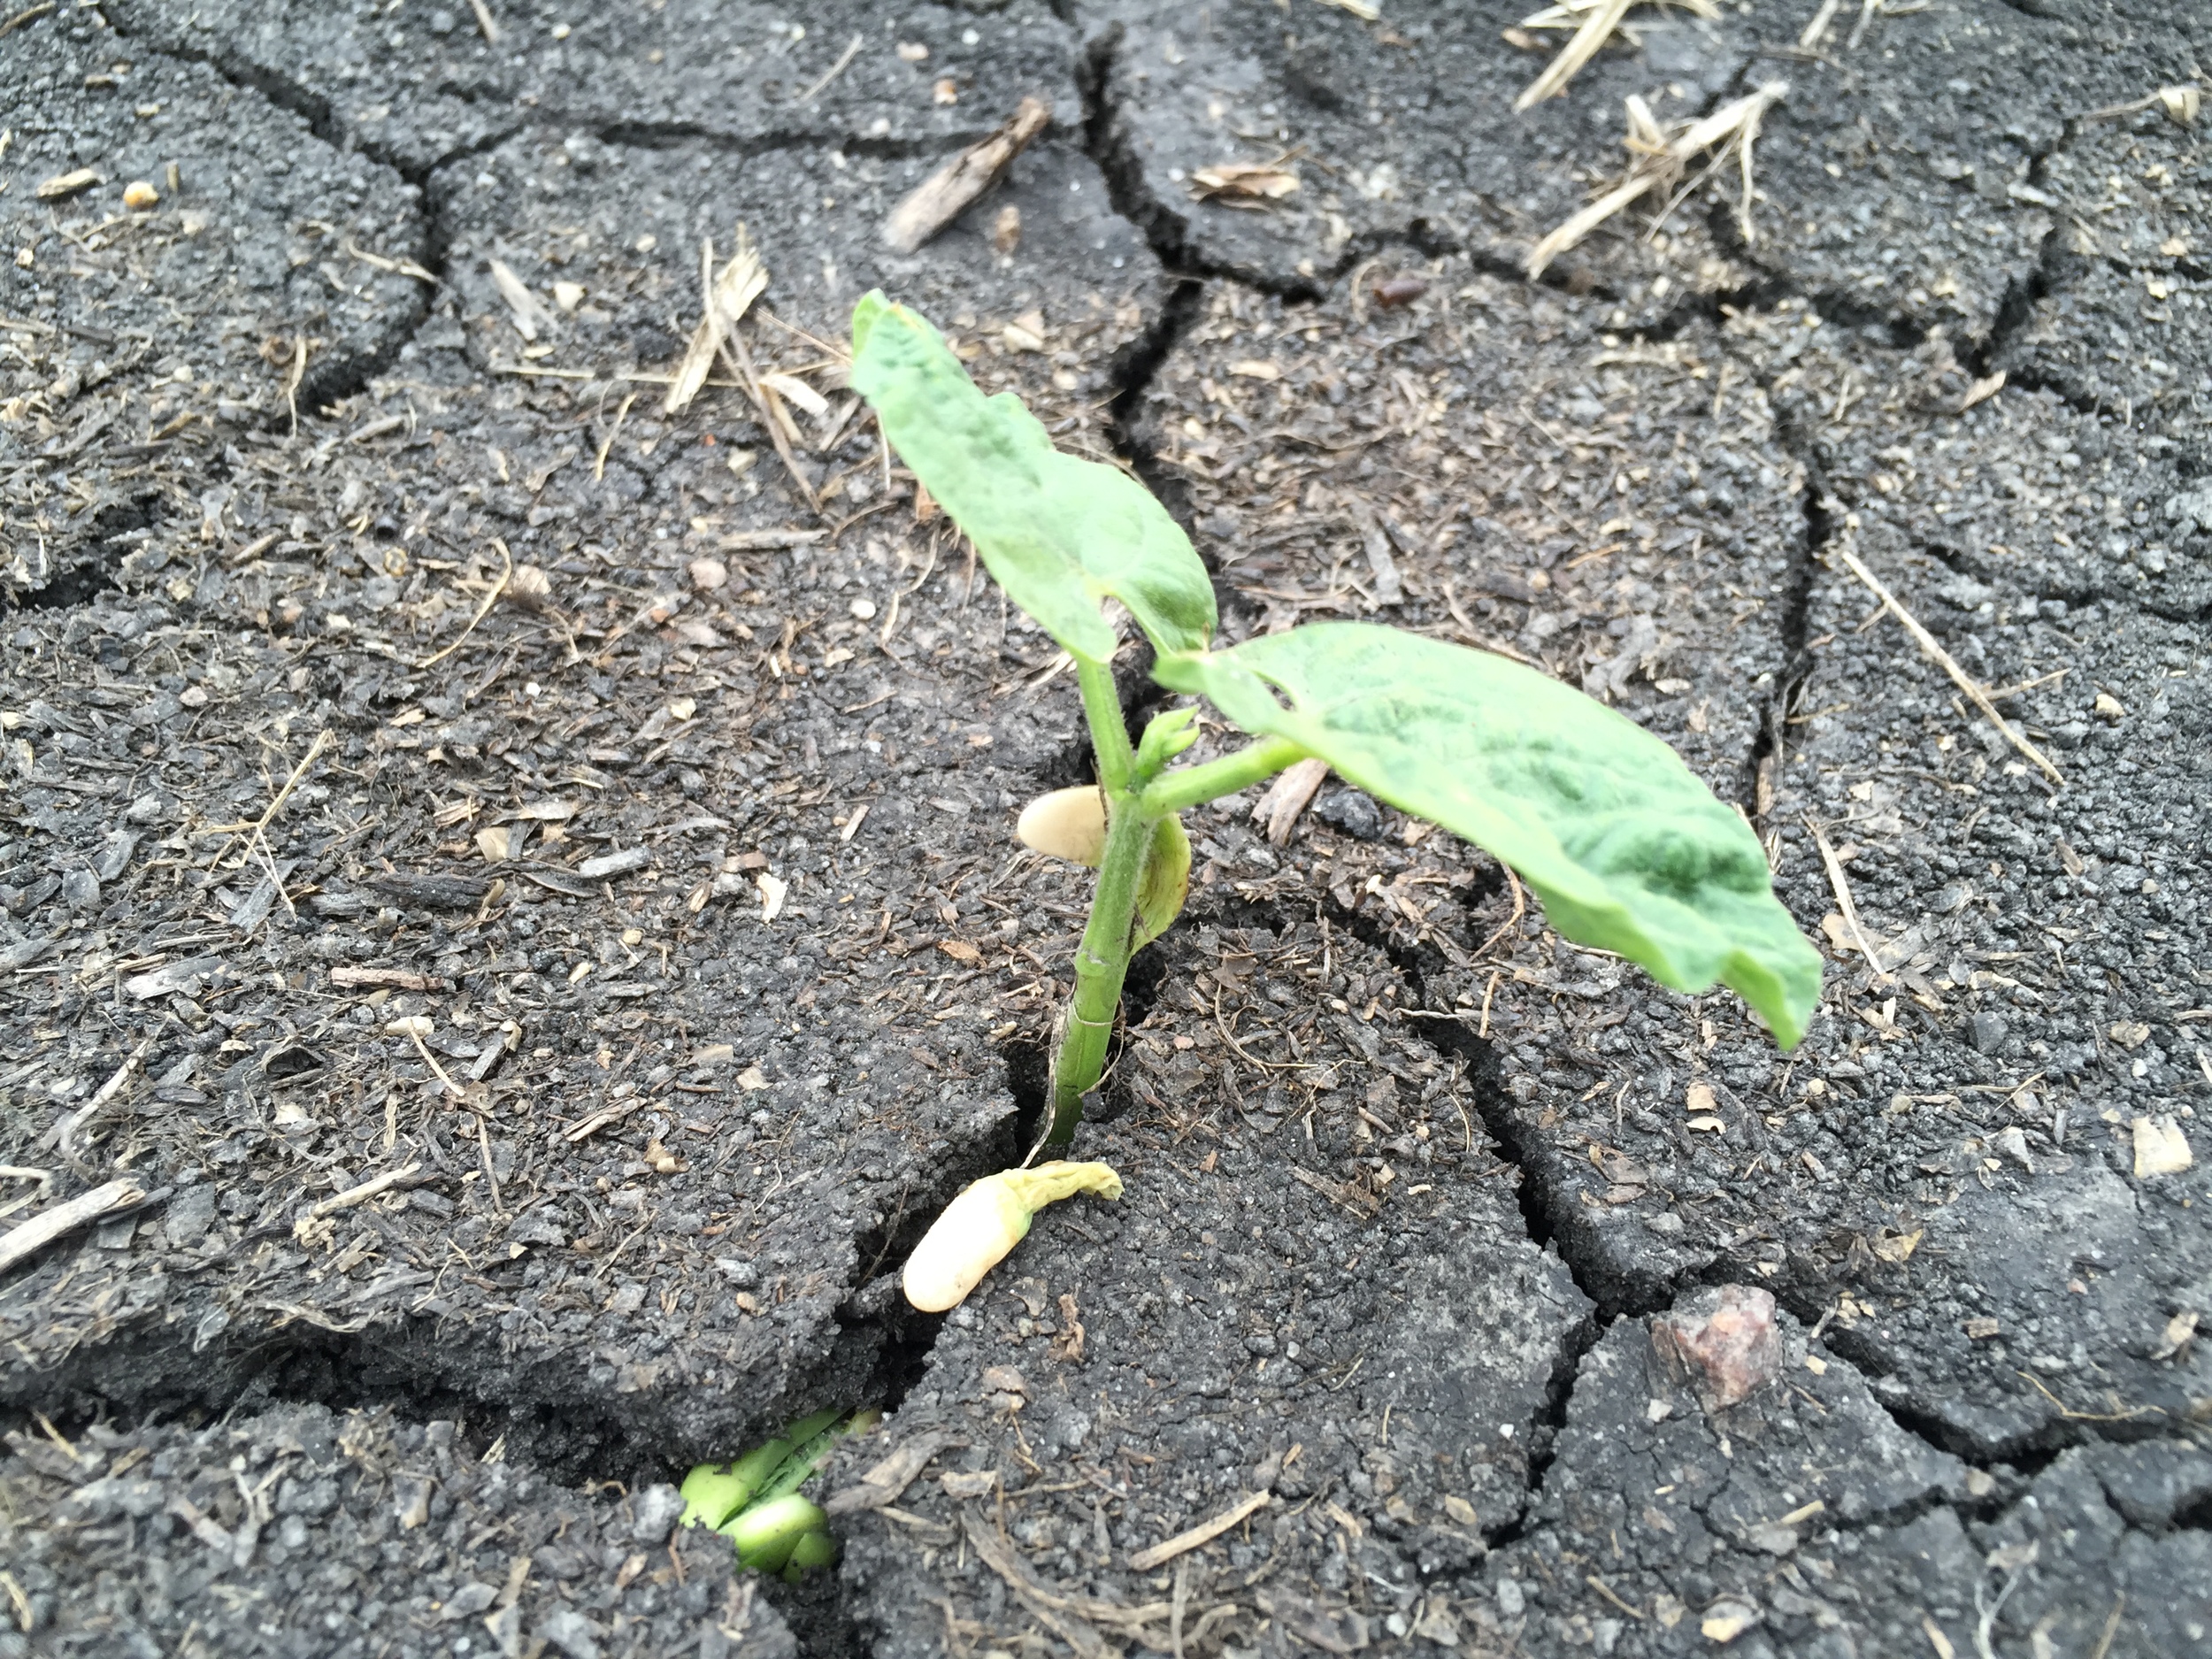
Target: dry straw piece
[[728, 295], [62, 186], [1840, 885], [943, 197], [2181, 104], [1593, 22], [1809, 39], [530, 313], [1248, 184], [1204, 1532], [27, 1238], [1288, 796], [1932, 648], [1659, 162]]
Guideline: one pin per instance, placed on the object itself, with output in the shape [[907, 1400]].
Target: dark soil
[[649, 930], [302, 1531]]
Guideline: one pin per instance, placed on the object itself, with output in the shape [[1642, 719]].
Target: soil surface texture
[[511, 927]]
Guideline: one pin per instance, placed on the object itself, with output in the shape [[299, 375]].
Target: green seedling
[[1620, 841], [755, 1501], [812, 1440], [768, 1534], [1628, 851]]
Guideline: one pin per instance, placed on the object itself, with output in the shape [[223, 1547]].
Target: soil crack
[[1763, 763], [335, 380], [338, 380]]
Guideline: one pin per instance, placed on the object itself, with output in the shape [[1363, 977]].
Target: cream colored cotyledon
[[1068, 824], [987, 1220]]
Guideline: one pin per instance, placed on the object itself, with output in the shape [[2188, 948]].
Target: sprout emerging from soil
[[987, 1220], [755, 1502], [1629, 851], [768, 1534]]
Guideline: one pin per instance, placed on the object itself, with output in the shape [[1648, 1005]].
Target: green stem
[[1101, 961], [1194, 785], [1110, 731]]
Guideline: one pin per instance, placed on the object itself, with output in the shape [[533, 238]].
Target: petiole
[[1194, 785]]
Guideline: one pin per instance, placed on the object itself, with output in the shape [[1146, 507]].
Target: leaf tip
[[1785, 992], [867, 311]]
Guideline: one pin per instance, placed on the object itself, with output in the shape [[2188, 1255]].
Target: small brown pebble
[[530, 587], [1006, 231], [1400, 290], [140, 196]]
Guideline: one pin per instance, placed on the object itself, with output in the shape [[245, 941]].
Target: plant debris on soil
[[510, 923]]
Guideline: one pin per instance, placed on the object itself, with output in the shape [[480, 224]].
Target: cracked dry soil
[[1411, 1184]]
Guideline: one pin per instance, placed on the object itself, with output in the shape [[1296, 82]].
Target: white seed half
[[973, 1233], [1068, 824]]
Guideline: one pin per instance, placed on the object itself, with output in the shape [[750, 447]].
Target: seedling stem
[[1140, 791], [1194, 785], [1109, 737]]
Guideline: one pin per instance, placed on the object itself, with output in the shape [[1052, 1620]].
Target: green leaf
[[1628, 850], [712, 1494], [1166, 882], [1059, 535]]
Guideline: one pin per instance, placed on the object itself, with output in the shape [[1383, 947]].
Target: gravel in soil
[[1993, 1255], [1925, 166], [1281, 1304], [2053, 933], [624, 225], [500, 709], [426, 86], [2114, 326], [301, 1530], [1402, 133], [1490, 462], [613, 840], [1801, 1519], [265, 279]]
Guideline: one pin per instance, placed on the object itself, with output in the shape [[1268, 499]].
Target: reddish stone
[[1722, 1342]]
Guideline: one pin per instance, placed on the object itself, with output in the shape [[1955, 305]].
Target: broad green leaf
[[1060, 535], [1166, 882], [1628, 850]]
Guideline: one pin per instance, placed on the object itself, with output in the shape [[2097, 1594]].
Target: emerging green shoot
[[755, 1502], [1627, 849]]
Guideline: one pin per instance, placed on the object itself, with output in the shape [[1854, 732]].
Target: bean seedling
[[755, 1502], [1627, 849]]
